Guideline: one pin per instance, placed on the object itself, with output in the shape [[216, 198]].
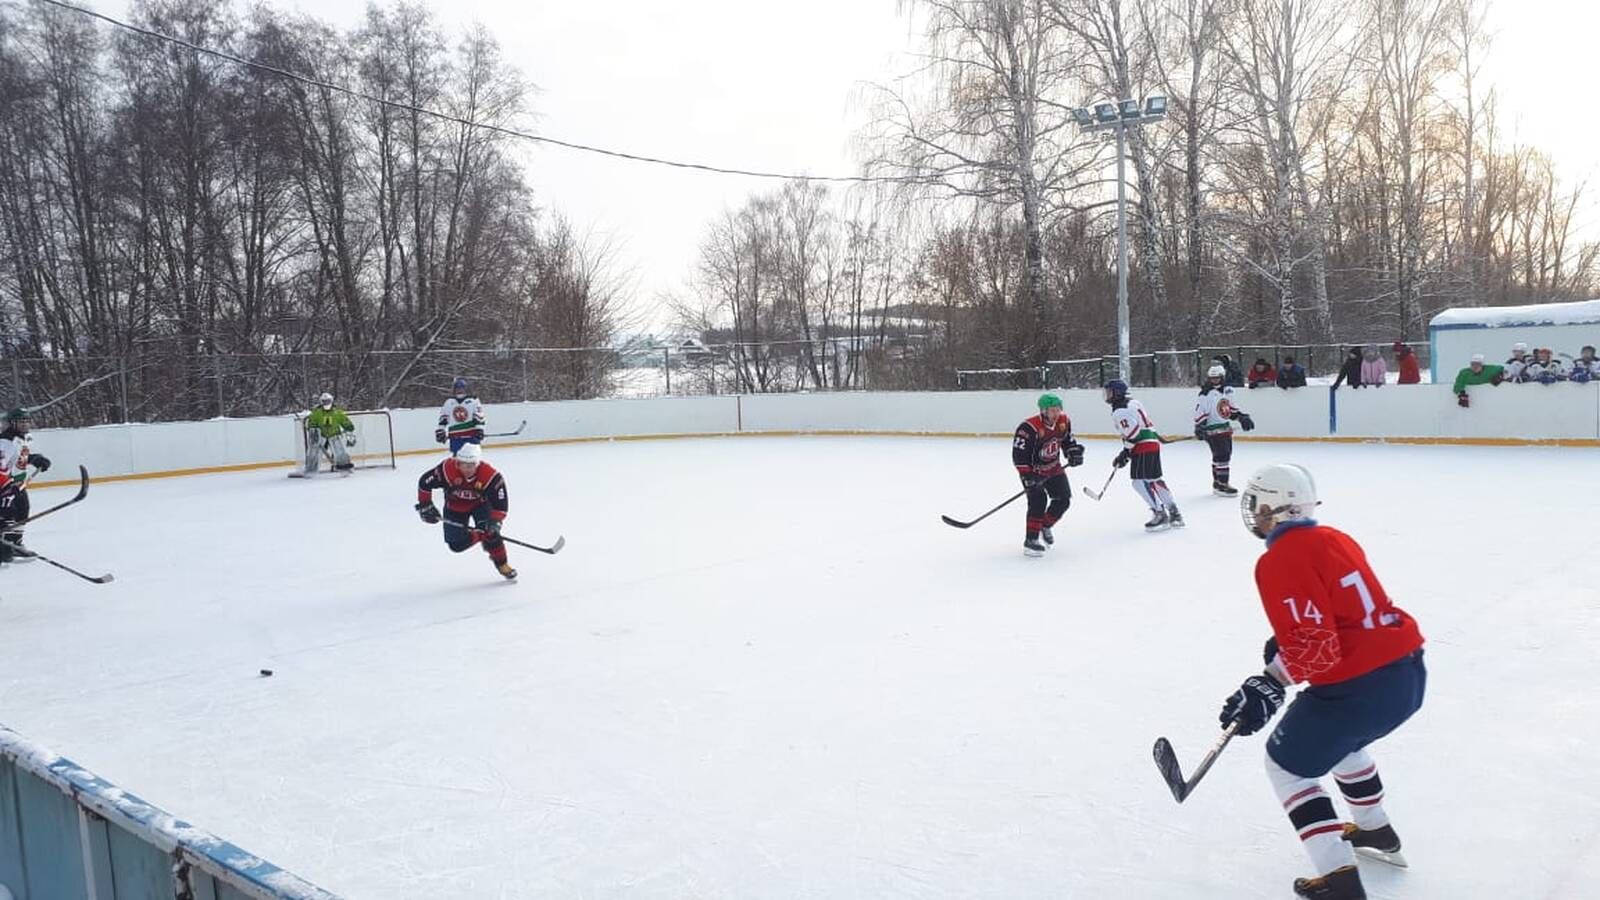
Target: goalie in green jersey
[[329, 432]]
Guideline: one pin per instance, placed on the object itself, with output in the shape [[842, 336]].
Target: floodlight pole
[[1124, 366]]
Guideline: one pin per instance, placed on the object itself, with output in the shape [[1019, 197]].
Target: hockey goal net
[[373, 447]]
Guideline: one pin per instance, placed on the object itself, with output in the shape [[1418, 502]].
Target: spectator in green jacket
[[325, 427], [1477, 373]]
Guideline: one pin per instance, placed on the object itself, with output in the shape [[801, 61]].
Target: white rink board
[[1510, 412], [764, 668]]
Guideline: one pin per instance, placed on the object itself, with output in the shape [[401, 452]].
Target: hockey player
[[329, 430], [1214, 415], [1142, 447], [461, 419], [16, 458], [1517, 363], [474, 504], [1334, 627], [1544, 367], [1036, 452]]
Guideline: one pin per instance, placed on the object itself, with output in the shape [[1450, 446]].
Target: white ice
[[764, 668]]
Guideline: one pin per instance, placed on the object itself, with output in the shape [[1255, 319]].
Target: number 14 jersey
[[1332, 618]]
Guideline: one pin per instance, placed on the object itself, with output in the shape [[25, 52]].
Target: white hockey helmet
[[1216, 371], [1276, 494], [470, 454], [326, 399]]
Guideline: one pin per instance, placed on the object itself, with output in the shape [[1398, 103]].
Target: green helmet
[[18, 415], [1047, 401]]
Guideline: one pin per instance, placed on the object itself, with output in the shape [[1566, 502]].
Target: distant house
[[1455, 334]]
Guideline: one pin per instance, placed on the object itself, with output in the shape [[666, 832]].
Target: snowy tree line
[[230, 241], [1329, 172]]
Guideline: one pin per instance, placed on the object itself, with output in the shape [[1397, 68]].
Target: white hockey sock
[[1357, 776], [1311, 812], [1143, 489]]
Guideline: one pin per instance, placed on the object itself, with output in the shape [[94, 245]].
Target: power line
[[498, 129]]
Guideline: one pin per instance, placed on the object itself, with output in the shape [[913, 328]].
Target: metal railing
[[1172, 368]]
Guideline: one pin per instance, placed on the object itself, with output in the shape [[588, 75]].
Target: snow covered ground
[[763, 668]]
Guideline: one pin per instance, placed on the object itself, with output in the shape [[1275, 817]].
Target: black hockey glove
[[1247, 423], [1122, 458], [1253, 704], [1032, 482], [39, 461], [1074, 454], [439, 436], [491, 528], [429, 512], [1461, 399]]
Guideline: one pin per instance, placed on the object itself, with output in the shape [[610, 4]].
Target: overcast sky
[[759, 84]]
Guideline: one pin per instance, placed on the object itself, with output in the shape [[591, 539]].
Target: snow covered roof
[[1581, 312]]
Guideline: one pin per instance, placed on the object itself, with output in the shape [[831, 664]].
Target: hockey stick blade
[[1172, 772], [518, 431], [956, 523], [1103, 488], [83, 491]]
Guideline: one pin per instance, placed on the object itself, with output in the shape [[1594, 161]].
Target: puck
[[266, 672]]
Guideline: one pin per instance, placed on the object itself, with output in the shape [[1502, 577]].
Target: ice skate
[[1343, 883], [505, 570], [1381, 844], [1223, 489], [1032, 546], [19, 553], [1047, 536], [1158, 521], [1174, 518]]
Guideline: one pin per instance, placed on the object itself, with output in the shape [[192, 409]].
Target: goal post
[[373, 447]]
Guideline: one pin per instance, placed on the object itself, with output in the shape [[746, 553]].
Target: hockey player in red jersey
[[1036, 452], [1334, 627], [474, 504]]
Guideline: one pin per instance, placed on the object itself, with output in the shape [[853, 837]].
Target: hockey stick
[[510, 433], [1172, 773], [1174, 440], [83, 491], [553, 549], [102, 579], [960, 524], [1093, 495]]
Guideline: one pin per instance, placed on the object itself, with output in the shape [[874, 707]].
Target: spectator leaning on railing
[[1374, 371], [1291, 374], [1585, 368], [1545, 368], [1476, 373], [1262, 374], [1517, 363], [1406, 362], [1350, 369]]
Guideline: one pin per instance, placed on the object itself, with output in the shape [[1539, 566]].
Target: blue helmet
[[1116, 388], [460, 386]]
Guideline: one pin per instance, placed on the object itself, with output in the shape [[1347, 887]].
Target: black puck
[[266, 672]]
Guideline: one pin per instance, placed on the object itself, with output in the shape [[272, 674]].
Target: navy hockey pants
[[1326, 723]]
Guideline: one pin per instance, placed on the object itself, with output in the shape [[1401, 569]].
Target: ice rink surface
[[763, 667]]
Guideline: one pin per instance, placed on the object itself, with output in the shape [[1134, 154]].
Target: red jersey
[[1036, 448], [462, 495], [1332, 618]]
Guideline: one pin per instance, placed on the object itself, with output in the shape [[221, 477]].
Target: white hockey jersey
[[1138, 432], [1214, 411], [462, 417], [14, 460], [1536, 370]]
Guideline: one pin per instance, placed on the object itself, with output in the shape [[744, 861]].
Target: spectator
[[1517, 363], [1406, 362], [1262, 373], [1233, 378], [1585, 368], [1374, 371], [1291, 374], [1544, 368], [1477, 373], [1350, 370]]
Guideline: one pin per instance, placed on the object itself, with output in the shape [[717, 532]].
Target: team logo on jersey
[[459, 414]]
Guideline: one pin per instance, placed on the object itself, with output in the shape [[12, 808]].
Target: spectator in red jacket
[[1262, 374], [1406, 362]]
